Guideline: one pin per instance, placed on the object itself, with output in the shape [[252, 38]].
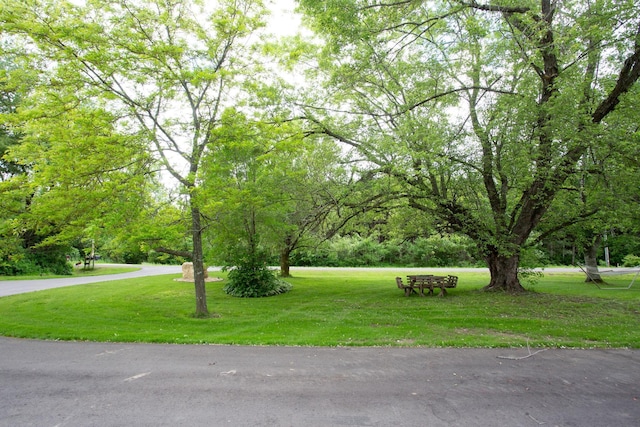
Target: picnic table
[[420, 282]]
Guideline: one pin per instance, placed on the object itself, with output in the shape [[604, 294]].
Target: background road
[[12, 287]]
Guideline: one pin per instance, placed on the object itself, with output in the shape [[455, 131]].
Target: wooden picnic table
[[429, 281]]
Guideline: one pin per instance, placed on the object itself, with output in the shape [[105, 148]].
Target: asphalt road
[[49, 383], [109, 384], [12, 287]]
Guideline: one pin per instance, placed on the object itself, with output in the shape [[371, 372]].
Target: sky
[[283, 20]]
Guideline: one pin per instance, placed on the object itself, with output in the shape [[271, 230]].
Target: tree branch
[[571, 221], [381, 5], [495, 8], [629, 74], [183, 254]]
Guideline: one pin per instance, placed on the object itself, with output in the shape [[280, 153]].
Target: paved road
[[109, 384], [12, 287]]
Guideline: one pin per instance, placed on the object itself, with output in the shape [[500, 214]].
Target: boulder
[[187, 272]]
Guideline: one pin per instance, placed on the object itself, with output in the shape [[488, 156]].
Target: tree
[[158, 228], [165, 69], [602, 192], [482, 110], [324, 194], [243, 178], [31, 243], [12, 174], [309, 177]]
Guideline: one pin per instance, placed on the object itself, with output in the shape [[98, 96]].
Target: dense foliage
[[496, 118], [496, 133], [355, 251], [37, 261], [251, 280]]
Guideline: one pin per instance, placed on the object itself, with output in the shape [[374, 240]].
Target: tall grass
[[333, 308]]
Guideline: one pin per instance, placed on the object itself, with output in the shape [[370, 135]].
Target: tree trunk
[[591, 261], [504, 273], [284, 263], [198, 264]]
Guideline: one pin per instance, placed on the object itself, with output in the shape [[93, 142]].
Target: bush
[[18, 266], [51, 260], [631, 261], [253, 280]]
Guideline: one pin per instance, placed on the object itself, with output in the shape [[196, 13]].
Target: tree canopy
[[506, 121], [483, 111], [165, 70]]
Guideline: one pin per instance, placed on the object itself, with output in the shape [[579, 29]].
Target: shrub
[[18, 266], [50, 260], [631, 261], [253, 280]]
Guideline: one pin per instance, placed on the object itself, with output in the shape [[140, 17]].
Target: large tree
[[483, 110], [166, 69]]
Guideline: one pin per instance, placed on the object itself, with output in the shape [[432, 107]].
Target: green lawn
[[334, 308]]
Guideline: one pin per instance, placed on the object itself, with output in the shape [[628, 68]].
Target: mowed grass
[[99, 270], [334, 308]]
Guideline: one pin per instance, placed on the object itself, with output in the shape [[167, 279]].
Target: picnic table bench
[[418, 283]]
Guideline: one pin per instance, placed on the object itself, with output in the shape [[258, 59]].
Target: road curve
[[13, 287]]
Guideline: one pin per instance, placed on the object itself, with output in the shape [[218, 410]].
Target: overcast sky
[[283, 20]]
